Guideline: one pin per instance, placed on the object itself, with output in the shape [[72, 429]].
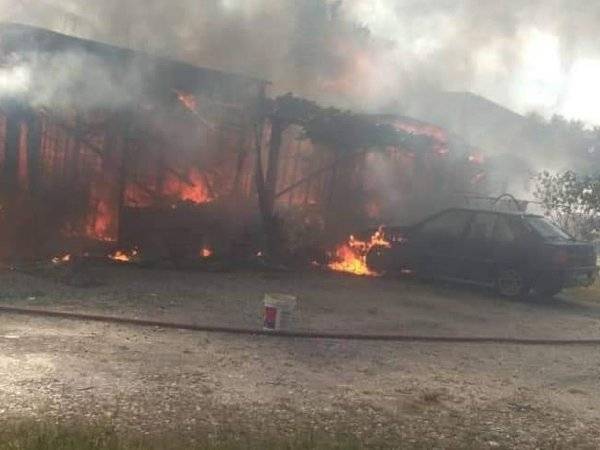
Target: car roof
[[471, 210], [484, 210]]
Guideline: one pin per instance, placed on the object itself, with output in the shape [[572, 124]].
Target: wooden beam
[[93, 147], [11, 148], [318, 172], [34, 148]]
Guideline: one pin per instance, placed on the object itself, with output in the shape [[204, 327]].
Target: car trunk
[[573, 254]]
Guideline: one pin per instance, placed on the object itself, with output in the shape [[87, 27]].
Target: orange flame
[[439, 135], [101, 222], [61, 259], [373, 209], [476, 158], [351, 256], [187, 100], [197, 191], [123, 256], [206, 252], [191, 104]]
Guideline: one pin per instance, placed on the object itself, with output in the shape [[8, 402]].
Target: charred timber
[[15, 117], [329, 167], [34, 147]]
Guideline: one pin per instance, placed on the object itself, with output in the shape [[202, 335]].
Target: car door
[[513, 243], [477, 251], [436, 241]]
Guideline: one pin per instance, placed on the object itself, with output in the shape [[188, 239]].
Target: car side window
[[482, 227], [448, 225], [505, 230]]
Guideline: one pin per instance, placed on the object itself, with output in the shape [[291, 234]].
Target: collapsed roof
[[106, 75]]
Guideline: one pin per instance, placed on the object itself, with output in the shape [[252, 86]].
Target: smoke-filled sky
[[529, 55]]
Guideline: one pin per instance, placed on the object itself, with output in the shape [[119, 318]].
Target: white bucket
[[279, 311]]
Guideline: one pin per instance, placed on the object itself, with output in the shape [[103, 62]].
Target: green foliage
[[569, 193], [344, 130], [340, 130], [571, 200], [289, 109]]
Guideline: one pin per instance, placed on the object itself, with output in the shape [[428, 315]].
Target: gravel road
[[150, 380]]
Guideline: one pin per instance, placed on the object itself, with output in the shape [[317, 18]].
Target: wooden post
[[77, 150], [34, 148], [295, 162], [126, 131], [333, 180], [11, 158], [161, 173], [241, 159]]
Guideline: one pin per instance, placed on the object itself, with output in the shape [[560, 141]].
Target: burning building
[[91, 133], [106, 146]]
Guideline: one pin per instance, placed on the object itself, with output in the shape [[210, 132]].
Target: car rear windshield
[[547, 229]]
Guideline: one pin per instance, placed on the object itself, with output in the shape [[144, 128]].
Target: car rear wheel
[[547, 291], [511, 283]]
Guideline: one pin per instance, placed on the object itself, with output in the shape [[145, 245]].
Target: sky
[[529, 55], [534, 61]]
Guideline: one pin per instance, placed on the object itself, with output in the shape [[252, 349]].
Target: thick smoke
[[48, 80], [369, 55], [359, 53]]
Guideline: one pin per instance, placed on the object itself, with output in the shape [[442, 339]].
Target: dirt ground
[[149, 380]]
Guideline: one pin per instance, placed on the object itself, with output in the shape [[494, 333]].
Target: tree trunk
[[259, 178], [277, 129], [265, 205]]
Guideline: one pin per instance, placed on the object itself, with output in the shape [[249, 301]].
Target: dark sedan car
[[513, 252]]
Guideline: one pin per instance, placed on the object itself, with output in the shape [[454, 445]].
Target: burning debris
[[195, 189], [61, 259], [351, 256], [437, 137], [190, 102], [187, 100], [124, 256], [206, 252], [477, 158]]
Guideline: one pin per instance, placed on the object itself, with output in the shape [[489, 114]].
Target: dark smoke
[[369, 55], [360, 53]]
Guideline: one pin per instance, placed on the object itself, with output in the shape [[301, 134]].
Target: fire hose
[[296, 334]]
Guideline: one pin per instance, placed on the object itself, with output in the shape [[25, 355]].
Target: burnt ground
[[152, 381]]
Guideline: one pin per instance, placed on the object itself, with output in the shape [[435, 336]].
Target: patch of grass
[[41, 436], [31, 435], [469, 435], [431, 397], [591, 293]]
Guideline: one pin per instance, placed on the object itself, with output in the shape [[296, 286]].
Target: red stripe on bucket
[[270, 317]]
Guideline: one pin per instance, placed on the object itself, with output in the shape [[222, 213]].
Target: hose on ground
[[300, 334]]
